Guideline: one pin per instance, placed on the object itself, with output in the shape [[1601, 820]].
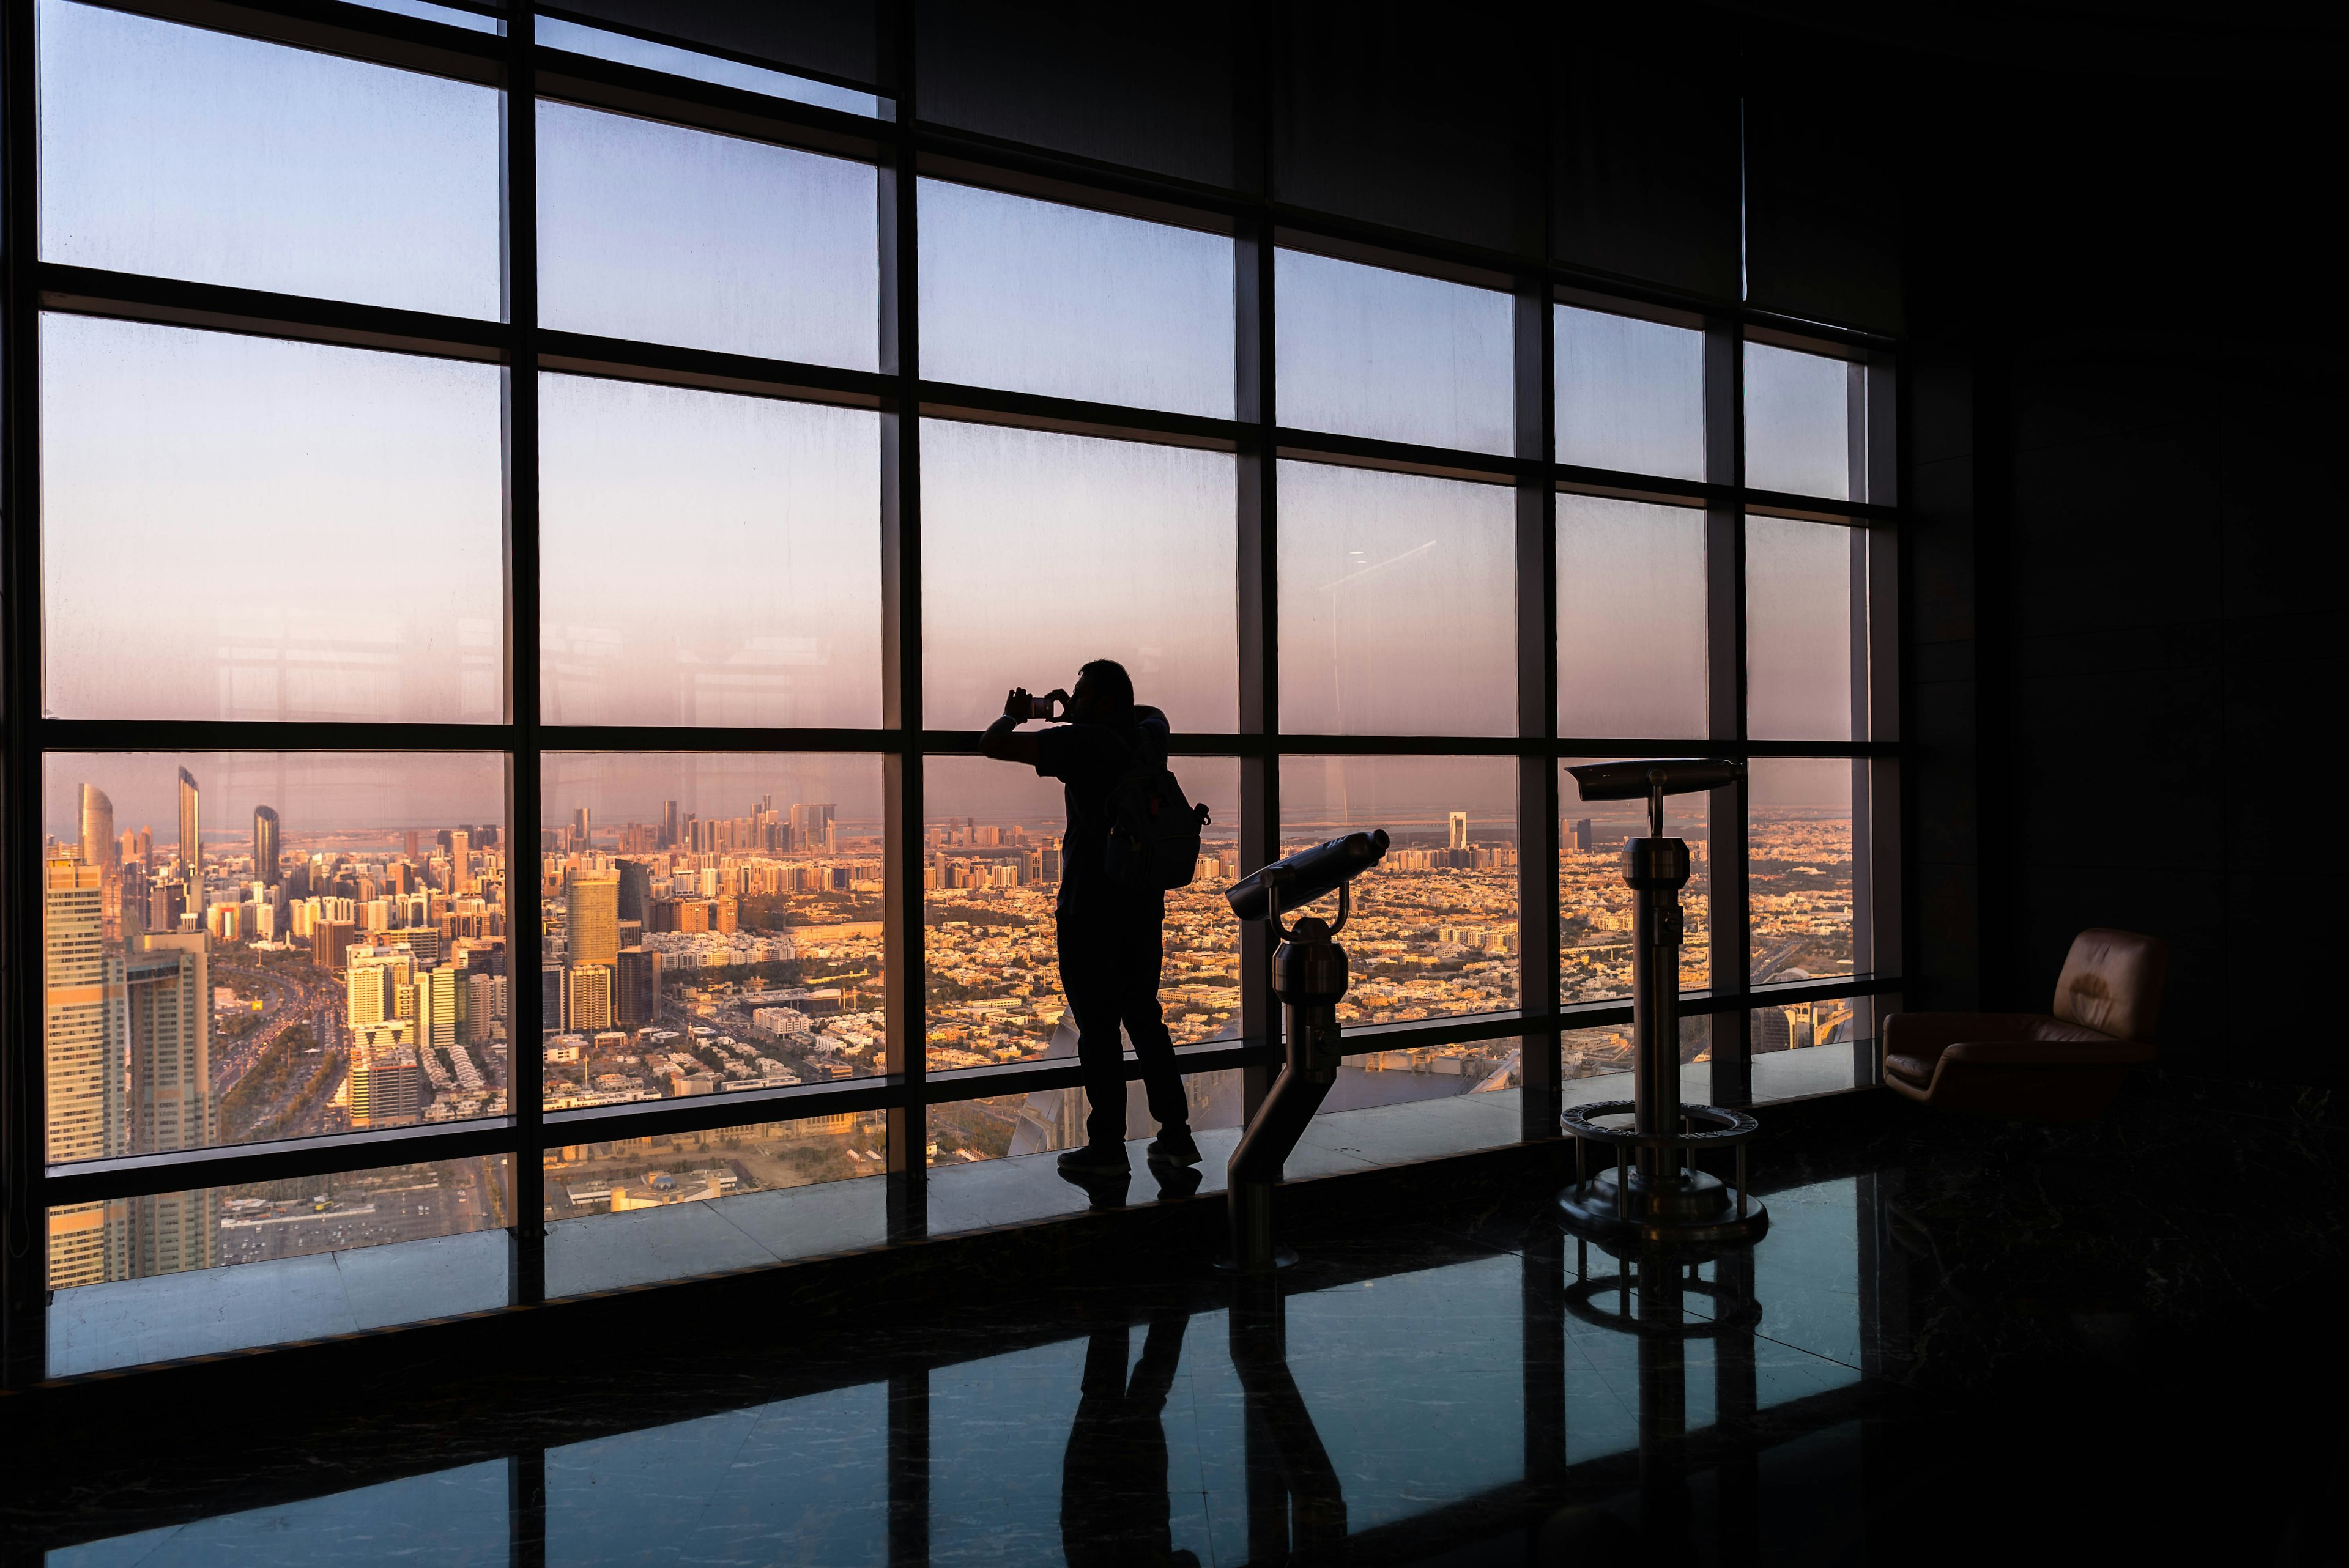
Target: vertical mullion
[[901, 651], [24, 1248], [1257, 519], [1724, 569], [1535, 368], [525, 1054]]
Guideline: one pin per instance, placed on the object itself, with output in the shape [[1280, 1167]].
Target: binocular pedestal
[[1654, 1193], [1309, 977]]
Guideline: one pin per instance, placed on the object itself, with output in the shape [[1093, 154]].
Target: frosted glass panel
[[1435, 925], [771, 512], [244, 527], [653, 232], [1397, 603], [1798, 674], [1368, 352], [1041, 551], [1798, 422], [193, 154], [1631, 619], [1033, 297], [621, 48], [1631, 394]]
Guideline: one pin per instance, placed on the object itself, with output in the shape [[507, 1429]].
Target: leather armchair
[[2064, 1065]]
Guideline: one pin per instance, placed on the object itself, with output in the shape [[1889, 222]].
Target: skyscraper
[[460, 871], [1459, 831], [635, 890], [411, 846], [587, 997], [583, 826], [636, 1000], [264, 845], [668, 824], [594, 911], [82, 1034], [191, 840], [811, 828], [98, 845], [168, 1017]]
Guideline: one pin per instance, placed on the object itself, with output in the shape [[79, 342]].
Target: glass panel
[[1043, 552], [328, 956], [424, 10], [713, 924], [553, 33], [1798, 422], [1594, 907], [199, 155], [784, 499], [1631, 394], [1364, 351], [238, 528], [801, 1480], [1398, 601], [1813, 1048], [1435, 925], [1596, 1065], [654, 232], [451, 1517], [1389, 1107], [1799, 657], [633, 1210], [1632, 645], [195, 1273], [1799, 868], [1033, 297], [995, 833]]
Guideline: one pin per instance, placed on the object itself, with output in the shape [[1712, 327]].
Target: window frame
[[901, 146]]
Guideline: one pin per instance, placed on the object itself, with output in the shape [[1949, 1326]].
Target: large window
[[510, 592]]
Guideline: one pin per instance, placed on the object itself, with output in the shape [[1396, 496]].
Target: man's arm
[[1002, 741]]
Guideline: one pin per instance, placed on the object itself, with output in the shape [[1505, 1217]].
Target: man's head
[[1105, 694]]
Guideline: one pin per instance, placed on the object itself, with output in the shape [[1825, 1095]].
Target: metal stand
[[1651, 1195], [1308, 975]]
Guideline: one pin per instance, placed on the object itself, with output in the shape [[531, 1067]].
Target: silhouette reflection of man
[[1115, 1508], [1111, 938]]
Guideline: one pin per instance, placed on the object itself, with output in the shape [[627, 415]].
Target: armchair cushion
[[1915, 1043], [2112, 982]]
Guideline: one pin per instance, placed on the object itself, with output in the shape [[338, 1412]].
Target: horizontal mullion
[[1065, 1072], [174, 302], [353, 31], [1814, 509], [1412, 745], [1075, 416], [265, 735], [1403, 457], [687, 739], [1423, 1032], [584, 354], [967, 742], [136, 1175], [1575, 478], [647, 94], [604, 23], [703, 1112]]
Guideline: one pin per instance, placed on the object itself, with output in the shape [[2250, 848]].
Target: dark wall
[[2124, 406]]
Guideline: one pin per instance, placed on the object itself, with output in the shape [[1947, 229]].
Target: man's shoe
[[1097, 1159], [1172, 1146]]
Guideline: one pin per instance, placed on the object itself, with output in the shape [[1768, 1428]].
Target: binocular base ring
[[1688, 1208]]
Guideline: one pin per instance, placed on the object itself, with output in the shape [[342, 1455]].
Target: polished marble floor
[[1958, 1342]]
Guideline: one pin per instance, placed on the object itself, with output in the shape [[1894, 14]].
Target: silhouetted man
[[1111, 938]]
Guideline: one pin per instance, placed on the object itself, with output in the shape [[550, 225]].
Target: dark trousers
[[1108, 972]]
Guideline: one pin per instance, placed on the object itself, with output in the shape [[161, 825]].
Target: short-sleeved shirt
[[1089, 760]]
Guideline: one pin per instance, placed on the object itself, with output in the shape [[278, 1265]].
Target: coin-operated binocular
[[1655, 1194], [1309, 977]]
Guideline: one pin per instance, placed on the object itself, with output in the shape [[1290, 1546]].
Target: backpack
[[1153, 830]]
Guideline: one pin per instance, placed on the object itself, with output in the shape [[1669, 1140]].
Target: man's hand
[[1018, 705]]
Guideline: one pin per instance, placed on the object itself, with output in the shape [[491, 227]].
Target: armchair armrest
[[2105, 1052], [1925, 1036]]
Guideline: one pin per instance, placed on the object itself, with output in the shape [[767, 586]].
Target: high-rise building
[[191, 840], [668, 825], [82, 1034], [372, 983], [165, 902], [811, 828], [1459, 831], [551, 994], [330, 943], [411, 846], [583, 827], [594, 898], [635, 985], [441, 998], [146, 845], [485, 1006], [587, 997], [99, 846], [635, 890], [265, 845], [460, 871], [387, 1081], [1581, 840], [168, 1017]]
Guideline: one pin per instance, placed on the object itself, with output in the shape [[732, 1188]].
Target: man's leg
[[1090, 984], [1141, 959]]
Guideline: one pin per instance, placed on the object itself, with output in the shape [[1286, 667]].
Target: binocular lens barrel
[[1307, 874]]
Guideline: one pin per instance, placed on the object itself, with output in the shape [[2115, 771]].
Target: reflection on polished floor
[[1958, 1341]]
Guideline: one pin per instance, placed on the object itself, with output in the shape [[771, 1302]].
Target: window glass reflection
[[654, 232], [1398, 601], [1799, 673], [1631, 394], [1798, 422], [450, 1516], [1798, 868], [1435, 925], [1035, 296], [783, 500], [1631, 636], [199, 155], [1364, 351], [1041, 552], [239, 528]]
